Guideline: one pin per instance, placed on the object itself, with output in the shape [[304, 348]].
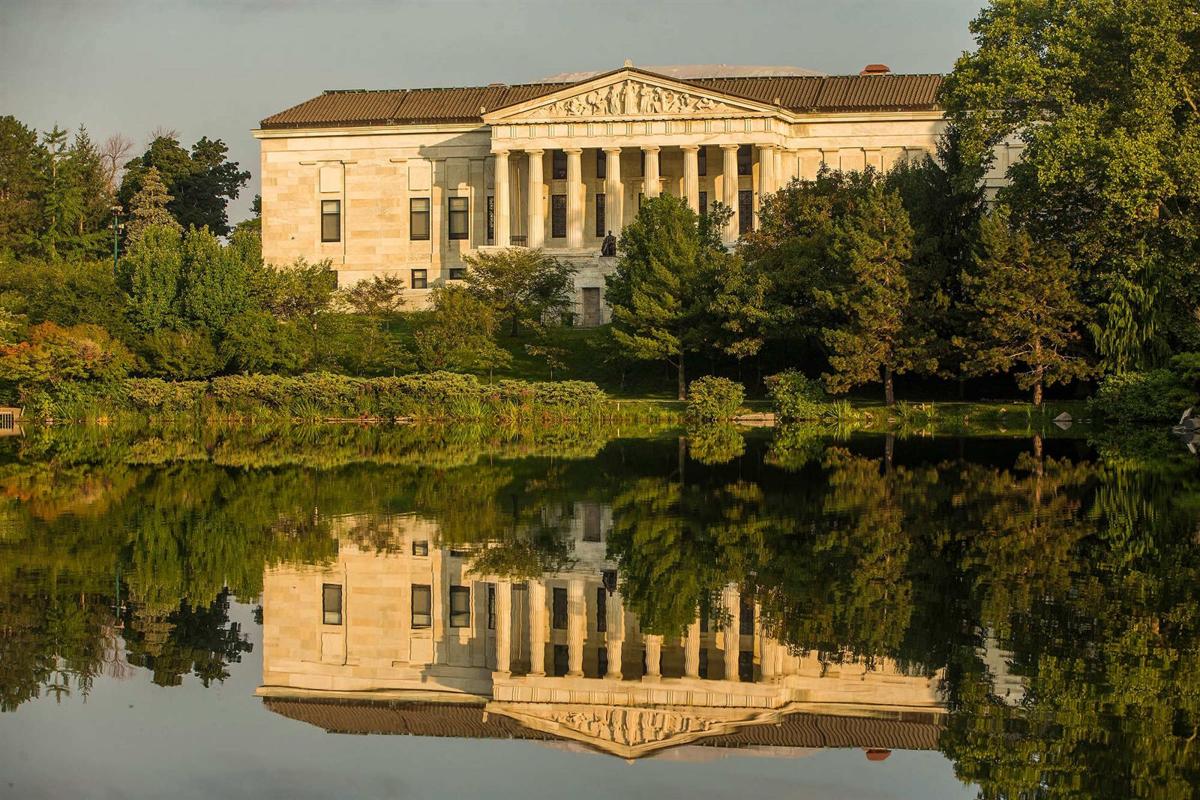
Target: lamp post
[[116, 226]]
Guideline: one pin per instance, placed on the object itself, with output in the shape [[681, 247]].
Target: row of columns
[[770, 167], [615, 638]]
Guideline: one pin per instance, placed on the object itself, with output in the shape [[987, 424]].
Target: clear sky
[[216, 67]]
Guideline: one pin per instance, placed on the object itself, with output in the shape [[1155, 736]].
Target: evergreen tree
[[1025, 312], [150, 272], [19, 156], [875, 333], [201, 182], [60, 199], [149, 207]]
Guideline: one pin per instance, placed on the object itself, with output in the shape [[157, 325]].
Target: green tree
[[875, 333], [525, 287], [459, 333], [60, 199], [1025, 313], [214, 280], [19, 154], [149, 207], [660, 291], [151, 272], [1103, 96], [201, 182]]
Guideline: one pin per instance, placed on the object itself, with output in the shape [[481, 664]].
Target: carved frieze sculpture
[[632, 98]]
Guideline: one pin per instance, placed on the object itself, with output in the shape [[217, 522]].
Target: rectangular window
[[331, 603], [491, 606], [458, 273], [460, 217], [422, 606], [559, 612], [745, 158], [746, 618], [642, 163], [601, 164], [703, 671], [421, 548], [591, 522], [558, 216], [420, 279], [745, 211], [460, 606], [418, 219], [601, 609], [561, 660], [705, 613], [746, 666], [601, 200], [602, 662], [491, 218], [558, 165], [331, 220], [704, 204], [702, 161]]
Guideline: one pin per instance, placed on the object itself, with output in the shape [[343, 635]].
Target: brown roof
[[906, 731], [798, 93]]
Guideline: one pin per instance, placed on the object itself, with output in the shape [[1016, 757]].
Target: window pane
[[703, 204], [601, 164], [558, 216], [491, 607], [491, 218], [602, 661], [331, 603], [331, 220], [745, 156], [601, 212], [745, 211], [418, 218], [559, 165], [421, 548], [460, 607], [420, 279], [458, 273], [422, 606], [702, 161], [703, 671], [459, 217], [561, 660], [559, 620], [601, 609]]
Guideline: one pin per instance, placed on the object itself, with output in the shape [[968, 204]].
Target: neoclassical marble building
[[412, 639], [406, 182]]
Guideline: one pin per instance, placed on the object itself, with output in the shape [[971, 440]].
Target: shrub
[[182, 354], [715, 443], [166, 397], [712, 399], [1155, 396], [795, 396]]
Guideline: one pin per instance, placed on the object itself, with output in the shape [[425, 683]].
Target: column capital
[[690, 148], [650, 148], [611, 149], [534, 151], [730, 146], [500, 151], [573, 151]]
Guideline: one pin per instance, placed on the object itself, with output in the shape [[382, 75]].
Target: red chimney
[[876, 69]]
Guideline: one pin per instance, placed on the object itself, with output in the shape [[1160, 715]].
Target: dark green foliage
[[713, 399], [795, 396], [1159, 395], [201, 183], [524, 287]]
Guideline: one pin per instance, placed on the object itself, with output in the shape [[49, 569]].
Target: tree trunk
[[682, 380], [1037, 393], [889, 389]]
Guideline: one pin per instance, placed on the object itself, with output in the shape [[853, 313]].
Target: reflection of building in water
[[410, 640]]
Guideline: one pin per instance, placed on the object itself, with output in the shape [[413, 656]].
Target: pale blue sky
[[216, 68]]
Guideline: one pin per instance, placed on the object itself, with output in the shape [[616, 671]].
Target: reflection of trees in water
[[1084, 569]]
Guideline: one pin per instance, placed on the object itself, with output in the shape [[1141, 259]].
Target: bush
[[182, 354], [166, 397], [1155, 396], [713, 399], [795, 396]]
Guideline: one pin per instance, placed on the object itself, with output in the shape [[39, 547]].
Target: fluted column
[[576, 627], [691, 651], [733, 631], [615, 638], [729, 181], [780, 178], [537, 628], [574, 198], [501, 230], [766, 170], [650, 180], [537, 217], [504, 627], [614, 192], [653, 644], [691, 176], [769, 658]]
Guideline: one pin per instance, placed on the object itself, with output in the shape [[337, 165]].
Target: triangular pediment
[[630, 93], [630, 731]]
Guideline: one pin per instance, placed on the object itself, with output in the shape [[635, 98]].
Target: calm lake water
[[338, 612]]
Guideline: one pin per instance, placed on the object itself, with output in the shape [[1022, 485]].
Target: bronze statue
[[608, 248]]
